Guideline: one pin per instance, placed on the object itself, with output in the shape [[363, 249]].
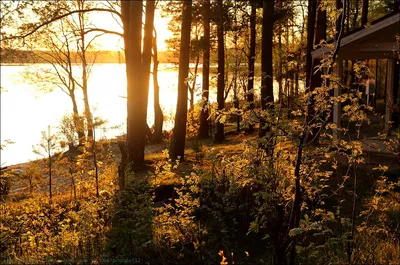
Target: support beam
[[338, 72], [389, 95], [374, 33]]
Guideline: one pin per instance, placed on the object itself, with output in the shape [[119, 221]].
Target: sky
[[105, 20]]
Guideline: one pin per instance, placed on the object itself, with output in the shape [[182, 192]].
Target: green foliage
[[4, 186], [37, 231], [33, 175], [131, 232], [68, 130]]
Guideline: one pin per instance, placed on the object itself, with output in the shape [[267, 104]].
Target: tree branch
[[61, 17], [104, 31]]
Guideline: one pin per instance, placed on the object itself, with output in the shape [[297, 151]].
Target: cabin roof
[[377, 41]]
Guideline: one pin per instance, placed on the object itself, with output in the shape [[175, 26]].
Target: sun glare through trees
[[200, 132]]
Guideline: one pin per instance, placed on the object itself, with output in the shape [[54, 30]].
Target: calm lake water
[[26, 110]]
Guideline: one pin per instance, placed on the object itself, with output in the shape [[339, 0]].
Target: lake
[[26, 109]]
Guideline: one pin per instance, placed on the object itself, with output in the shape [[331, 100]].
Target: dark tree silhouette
[[267, 91], [204, 123], [219, 136], [177, 147], [364, 12], [138, 73], [252, 59], [131, 12], [320, 34], [158, 114], [312, 5]]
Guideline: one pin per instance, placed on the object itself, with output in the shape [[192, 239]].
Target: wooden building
[[379, 40]]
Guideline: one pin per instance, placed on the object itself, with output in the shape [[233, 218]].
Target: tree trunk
[[347, 20], [177, 147], [192, 89], [50, 176], [88, 113], [279, 77], [30, 185], [236, 71], [122, 165], [219, 136], [158, 114], [252, 59], [136, 92], [339, 6], [316, 78], [267, 91], [320, 34], [96, 168], [310, 40], [146, 56], [204, 123], [49, 164], [364, 13], [355, 14], [78, 123], [73, 182], [287, 74]]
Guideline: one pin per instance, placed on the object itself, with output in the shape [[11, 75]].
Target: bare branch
[[61, 17], [104, 31]]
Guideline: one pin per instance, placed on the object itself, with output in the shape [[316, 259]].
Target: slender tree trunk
[[355, 14], [339, 6], [267, 91], [310, 40], [297, 69], [348, 19], [30, 185], [252, 59], [292, 77], [296, 210], [73, 183], [320, 34], [204, 123], [78, 123], [219, 136], [96, 168], [122, 166], [193, 88], [177, 147], [79, 126], [158, 114], [316, 78], [364, 13], [236, 71], [279, 77], [88, 113], [287, 74], [136, 93], [146, 56], [49, 164], [50, 176]]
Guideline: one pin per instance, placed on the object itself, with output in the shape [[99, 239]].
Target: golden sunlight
[[111, 42]]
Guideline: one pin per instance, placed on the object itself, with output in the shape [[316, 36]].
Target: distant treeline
[[11, 56]]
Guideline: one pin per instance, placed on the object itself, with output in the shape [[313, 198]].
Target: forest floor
[[153, 154], [376, 154]]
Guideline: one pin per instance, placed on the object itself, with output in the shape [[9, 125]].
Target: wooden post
[[389, 95], [338, 72]]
